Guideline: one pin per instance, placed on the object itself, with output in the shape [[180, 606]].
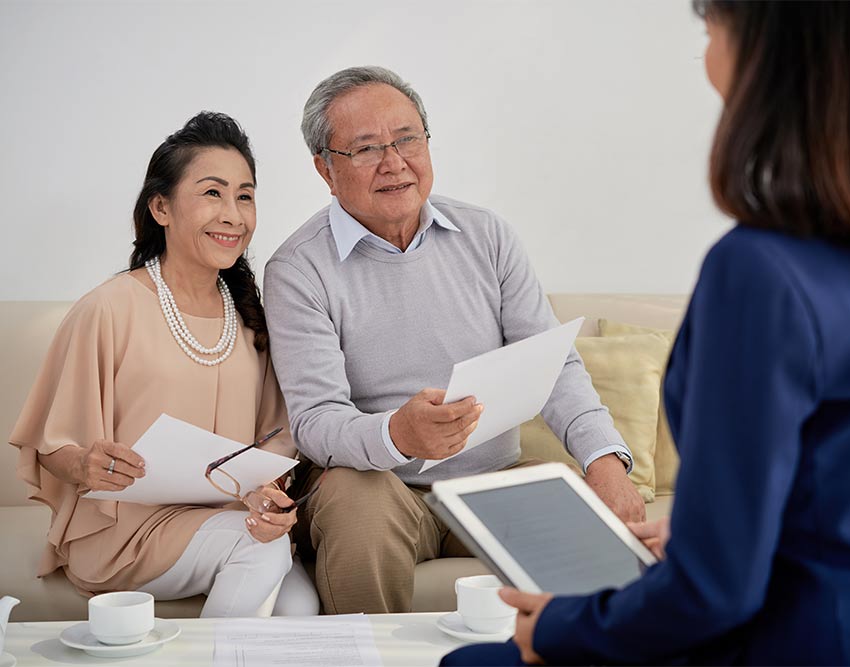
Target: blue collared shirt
[[348, 232]]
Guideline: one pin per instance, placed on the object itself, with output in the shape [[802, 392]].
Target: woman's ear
[[158, 206]]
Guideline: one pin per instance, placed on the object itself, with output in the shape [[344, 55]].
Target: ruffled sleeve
[[71, 403]]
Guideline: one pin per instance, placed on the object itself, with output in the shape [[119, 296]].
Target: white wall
[[585, 123]]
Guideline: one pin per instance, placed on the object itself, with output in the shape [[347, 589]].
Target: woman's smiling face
[[211, 215]]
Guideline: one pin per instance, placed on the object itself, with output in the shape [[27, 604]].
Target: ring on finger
[[111, 468]]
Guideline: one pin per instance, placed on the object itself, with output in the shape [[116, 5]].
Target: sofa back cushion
[[27, 327], [640, 368], [666, 454]]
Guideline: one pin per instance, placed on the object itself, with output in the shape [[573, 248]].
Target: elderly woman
[[757, 567], [183, 333]]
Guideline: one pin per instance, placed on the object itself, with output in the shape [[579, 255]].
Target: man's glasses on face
[[254, 500], [408, 146]]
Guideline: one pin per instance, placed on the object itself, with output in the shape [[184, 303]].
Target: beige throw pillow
[[666, 454], [626, 372]]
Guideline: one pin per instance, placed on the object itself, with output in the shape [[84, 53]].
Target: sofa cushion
[[666, 454], [626, 372], [52, 598]]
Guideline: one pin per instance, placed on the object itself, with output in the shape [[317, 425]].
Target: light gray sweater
[[352, 340]]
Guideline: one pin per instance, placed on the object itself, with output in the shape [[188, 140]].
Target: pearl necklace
[[180, 331]]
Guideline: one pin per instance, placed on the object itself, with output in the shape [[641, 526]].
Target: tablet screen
[[555, 537]]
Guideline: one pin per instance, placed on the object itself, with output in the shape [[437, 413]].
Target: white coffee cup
[[119, 618], [480, 606]]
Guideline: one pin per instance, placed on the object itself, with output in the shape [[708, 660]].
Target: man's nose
[[392, 160]]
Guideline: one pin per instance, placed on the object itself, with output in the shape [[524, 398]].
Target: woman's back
[[759, 398]]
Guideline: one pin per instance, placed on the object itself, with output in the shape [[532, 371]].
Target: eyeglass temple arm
[[224, 459]]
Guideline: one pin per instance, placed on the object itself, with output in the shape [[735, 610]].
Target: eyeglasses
[[226, 483], [368, 156]]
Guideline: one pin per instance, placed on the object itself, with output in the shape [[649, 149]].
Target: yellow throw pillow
[[626, 372], [666, 454], [538, 442]]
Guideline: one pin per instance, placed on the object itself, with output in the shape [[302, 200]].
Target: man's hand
[[607, 476], [529, 607], [654, 534], [425, 428]]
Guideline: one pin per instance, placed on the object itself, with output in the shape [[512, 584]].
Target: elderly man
[[369, 304]]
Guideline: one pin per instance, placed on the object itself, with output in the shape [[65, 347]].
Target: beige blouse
[[111, 370]]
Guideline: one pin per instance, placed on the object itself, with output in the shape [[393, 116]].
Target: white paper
[[512, 382], [313, 641], [176, 457]]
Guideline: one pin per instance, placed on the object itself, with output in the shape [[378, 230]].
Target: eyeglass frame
[[393, 144], [237, 495]]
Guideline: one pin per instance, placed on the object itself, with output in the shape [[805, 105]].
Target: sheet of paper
[[176, 457], [313, 641], [513, 382]]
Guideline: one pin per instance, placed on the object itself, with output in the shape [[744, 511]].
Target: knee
[[365, 513], [272, 558], [297, 596]]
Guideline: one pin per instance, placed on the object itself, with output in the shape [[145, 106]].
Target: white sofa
[[26, 329]]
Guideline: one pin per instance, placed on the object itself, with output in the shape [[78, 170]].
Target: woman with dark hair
[[183, 333], [756, 556]]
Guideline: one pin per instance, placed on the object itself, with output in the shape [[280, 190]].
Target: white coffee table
[[403, 640]]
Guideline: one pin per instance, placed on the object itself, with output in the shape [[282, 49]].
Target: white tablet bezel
[[449, 492]]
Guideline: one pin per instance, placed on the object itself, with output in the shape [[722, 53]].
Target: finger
[[121, 451], [642, 529], [279, 497], [464, 426], [451, 412], [124, 468], [279, 519], [435, 396], [522, 601], [117, 478]]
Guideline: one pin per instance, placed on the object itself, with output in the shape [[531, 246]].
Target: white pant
[[237, 573]]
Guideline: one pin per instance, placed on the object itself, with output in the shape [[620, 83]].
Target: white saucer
[[7, 660], [78, 636], [452, 624]]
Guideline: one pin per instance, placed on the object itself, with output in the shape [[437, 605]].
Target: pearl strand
[[177, 325]]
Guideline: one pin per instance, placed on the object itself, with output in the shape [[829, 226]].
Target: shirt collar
[[347, 232]]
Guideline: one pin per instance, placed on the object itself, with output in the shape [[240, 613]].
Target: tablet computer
[[541, 528]]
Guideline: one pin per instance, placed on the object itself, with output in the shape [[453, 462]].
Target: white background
[[585, 123]]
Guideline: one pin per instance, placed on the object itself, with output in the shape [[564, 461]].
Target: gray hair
[[316, 127]]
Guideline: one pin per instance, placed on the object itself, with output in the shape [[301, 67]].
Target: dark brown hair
[[166, 168], [781, 154]]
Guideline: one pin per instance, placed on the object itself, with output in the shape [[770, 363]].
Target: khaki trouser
[[367, 530]]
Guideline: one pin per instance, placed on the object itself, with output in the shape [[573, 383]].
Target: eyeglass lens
[[407, 147]]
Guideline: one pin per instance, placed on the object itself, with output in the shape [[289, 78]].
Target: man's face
[[390, 194]]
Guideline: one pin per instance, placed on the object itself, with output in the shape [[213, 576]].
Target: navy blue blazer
[[758, 398]]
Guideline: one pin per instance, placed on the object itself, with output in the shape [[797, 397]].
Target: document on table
[[345, 640], [513, 382], [176, 456]]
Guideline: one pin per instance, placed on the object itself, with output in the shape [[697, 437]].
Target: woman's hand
[[529, 607], [654, 534], [96, 471], [270, 525]]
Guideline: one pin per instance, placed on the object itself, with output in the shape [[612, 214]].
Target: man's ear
[[158, 206], [324, 170]]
